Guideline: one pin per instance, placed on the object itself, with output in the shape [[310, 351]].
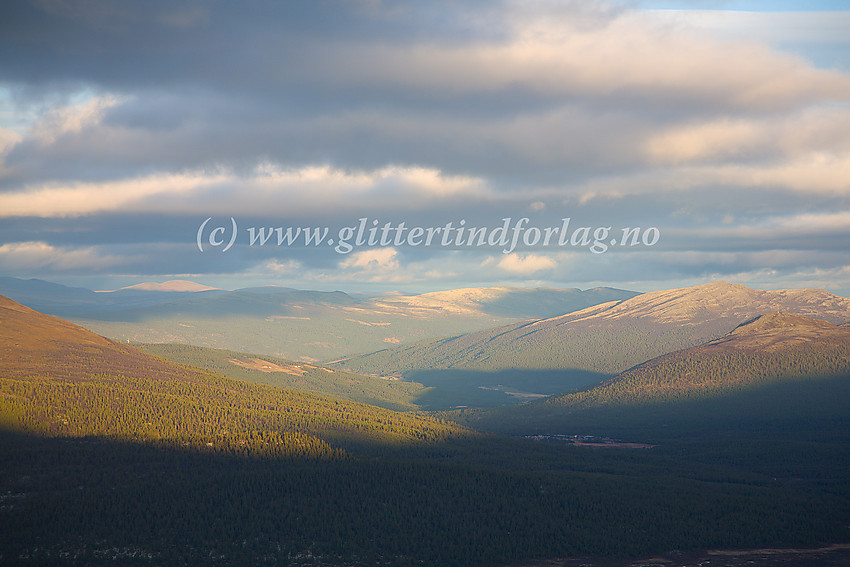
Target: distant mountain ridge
[[718, 300], [609, 337], [171, 285], [296, 324], [64, 301]]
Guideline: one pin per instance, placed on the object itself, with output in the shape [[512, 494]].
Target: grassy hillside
[[303, 376]]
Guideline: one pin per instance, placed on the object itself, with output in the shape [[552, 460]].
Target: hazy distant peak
[[171, 285]]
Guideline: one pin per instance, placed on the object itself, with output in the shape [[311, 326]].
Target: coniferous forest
[[111, 456]]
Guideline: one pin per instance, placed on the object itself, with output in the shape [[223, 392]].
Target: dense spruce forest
[[89, 501]]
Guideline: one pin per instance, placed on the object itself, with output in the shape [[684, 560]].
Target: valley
[[666, 426]]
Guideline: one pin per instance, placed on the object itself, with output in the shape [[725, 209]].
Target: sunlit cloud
[[753, 138], [373, 260], [524, 264], [64, 120], [79, 198], [268, 188], [627, 53], [35, 255]]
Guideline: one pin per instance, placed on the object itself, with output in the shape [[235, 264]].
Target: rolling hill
[[606, 338], [769, 372]]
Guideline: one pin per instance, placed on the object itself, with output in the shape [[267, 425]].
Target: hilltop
[[170, 285], [771, 347]]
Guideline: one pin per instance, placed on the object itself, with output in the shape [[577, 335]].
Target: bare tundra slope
[[610, 337]]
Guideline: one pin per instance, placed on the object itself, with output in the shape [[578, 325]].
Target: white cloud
[[524, 264], [288, 267], [773, 27], [8, 139], [376, 260], [80, 198], [269, 189], [633, 52], [819, 129], [71, 119], [34, 255]]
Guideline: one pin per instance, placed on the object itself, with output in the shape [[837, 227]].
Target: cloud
[[288, 267], [378, 260], [753, 138], [68, 120], [39, 256], [267, 188], [76, 199], [8, 140], [523, 264], [142, 119]]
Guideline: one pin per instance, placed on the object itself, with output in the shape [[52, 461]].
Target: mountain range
[[606, 338], [304, 325]]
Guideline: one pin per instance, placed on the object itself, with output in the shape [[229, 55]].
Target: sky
[[378, 145]]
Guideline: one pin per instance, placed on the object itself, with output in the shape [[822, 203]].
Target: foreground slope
[[774, 361], [610, 337], [57, 378]]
